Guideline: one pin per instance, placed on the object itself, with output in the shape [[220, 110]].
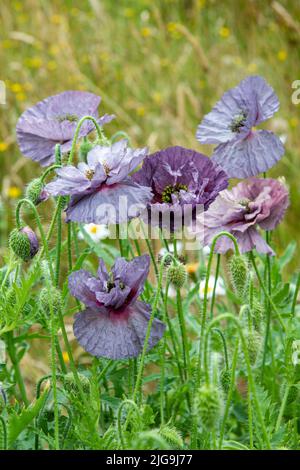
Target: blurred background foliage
[[159, 66]]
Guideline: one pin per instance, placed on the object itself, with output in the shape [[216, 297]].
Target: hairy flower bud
[[48, 298], [292, 395], [70, 383], [253, 344], [239, 271], [35, 191], [24, 243], [177, 275], [209, 405], [84, 148], [225, 379]]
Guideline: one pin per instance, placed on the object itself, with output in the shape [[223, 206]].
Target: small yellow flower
[[3, 146], [224, 32], [21, 96], [157, 97], [34, 62], [282, 55], [201, 84], [14, 192], [66, 357], [56, 19], [18, 6], [252, 68], [54, 50], [51, 65], [129, 12], [140, 111], [146, 32], [200, 4], [192, 268], [7, 43], [16, 88], [294, 122]]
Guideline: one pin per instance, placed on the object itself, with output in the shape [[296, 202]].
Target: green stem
[[4, 433], [282, 408], [212, 304], [76, 135], [266, 292], [16, 366], [268, 309]]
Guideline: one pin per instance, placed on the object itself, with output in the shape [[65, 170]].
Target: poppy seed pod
[[24, 243], [35, 191], [177, 275]]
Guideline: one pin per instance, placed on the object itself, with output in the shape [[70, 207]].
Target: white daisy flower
[[220, 287], [95, 232]]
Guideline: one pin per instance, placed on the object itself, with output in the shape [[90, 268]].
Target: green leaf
[[18, 423], [287, 255]]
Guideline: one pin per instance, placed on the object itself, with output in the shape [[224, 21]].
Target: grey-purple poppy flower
[[101, 190], [179, 177], [241, 150], [53, 121], [114, 323], [250, 205]]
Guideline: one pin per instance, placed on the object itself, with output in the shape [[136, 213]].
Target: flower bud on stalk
[[209, 405], [253, 344], [225, 379], [48, 298], [24, 243], [177, 275], [239, 271], [35, 191], [70, 383], [84, 148]]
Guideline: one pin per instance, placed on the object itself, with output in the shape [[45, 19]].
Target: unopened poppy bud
[[225, 379], [84, 148], [24, 243], [239, 271], [177, 275], [48, 298], [209, 406], [292, 395], [35, 191], [70, 383], [253, 345]]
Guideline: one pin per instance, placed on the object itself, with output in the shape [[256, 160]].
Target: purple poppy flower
[[179, 177], [101, 190], [256, 203], [53, 121], [241, 150], [114, 324]]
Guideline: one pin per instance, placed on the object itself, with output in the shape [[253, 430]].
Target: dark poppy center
[[238, 122], [67, 117], [172, 189]]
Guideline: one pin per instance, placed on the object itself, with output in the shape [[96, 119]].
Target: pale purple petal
[[248, 157], [132, 273], [83, 286], [70, 181], [116, 335]]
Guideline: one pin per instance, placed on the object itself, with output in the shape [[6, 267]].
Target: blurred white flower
[[220, 287], [164, 250], [95, 232]]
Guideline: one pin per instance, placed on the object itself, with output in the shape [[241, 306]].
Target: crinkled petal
[[248, 157], [132, 273], [70, 181], [113, 204], [83, 286], [116, 335]]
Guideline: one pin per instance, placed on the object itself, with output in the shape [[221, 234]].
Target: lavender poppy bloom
[[178, 177], [256, 203], [53, 121], [241, 150], [101, 191], [114, 323]]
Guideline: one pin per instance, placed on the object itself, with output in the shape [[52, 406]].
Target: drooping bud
[[177, 275], [209, 406], [239, 271], [50, 298], [84, 148], [24, 243], [70, 383], [35, 191], [225, 379]]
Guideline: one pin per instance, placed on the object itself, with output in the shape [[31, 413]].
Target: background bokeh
[[158, 65]]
